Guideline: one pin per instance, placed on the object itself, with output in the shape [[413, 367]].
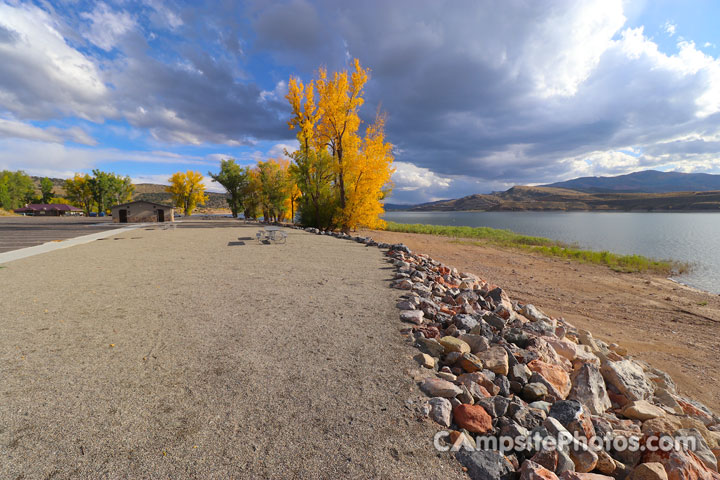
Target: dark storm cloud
[[196, 99]]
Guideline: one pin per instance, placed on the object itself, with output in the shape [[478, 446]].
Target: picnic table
[[272, 233]]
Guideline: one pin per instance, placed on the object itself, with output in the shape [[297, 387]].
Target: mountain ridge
[[521, 198], [645, 181]]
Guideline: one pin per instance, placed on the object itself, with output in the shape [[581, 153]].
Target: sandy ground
[[197, 353], [675, 328]]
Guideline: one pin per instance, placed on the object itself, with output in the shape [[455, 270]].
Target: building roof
[[37, 207], [142, 201]]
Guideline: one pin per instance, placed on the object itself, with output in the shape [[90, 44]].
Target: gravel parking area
[[196, 352]]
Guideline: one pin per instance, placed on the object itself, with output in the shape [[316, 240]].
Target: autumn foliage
[[268, 189], [187, 190], [337, 178], [341, 175]]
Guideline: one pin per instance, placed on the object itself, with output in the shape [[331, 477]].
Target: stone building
[[141, 211]]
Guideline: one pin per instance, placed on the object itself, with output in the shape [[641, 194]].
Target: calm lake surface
[[688, 237]]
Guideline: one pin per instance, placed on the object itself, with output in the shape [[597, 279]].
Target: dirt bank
[[673, 327]]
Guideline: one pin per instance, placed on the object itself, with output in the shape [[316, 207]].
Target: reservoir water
[[687, 237]]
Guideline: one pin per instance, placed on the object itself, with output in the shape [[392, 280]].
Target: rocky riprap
[[495, 367]]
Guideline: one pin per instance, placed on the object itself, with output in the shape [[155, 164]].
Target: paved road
[[196, 352], [22, 232]]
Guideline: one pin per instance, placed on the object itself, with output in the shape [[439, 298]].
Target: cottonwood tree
[[16, 189], [122, 190], [368, 179], [187, 190], [78, 190], [360, 172], [46, 189], [109, 189], [235, 179], [275, 187], [313, 171]]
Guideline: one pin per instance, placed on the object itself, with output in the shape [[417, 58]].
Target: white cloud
[[35, 156], [279, 149], [693, 65], [276, 94], [42, 76], [669, 28], [408, 177], [14, 129], [566, 45], [107, 26], [159, 179], [167, 16]]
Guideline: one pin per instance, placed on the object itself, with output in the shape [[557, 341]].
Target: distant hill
[[547, 198], [58, 185], [156, 193], [648, 181]]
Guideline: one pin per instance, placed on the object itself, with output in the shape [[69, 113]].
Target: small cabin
[[141, 211]]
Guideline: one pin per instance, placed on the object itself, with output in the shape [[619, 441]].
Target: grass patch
[[544, 246]]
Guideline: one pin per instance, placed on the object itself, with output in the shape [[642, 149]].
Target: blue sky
[[481, 95]]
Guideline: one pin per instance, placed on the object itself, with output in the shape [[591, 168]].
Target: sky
[[480, 95]]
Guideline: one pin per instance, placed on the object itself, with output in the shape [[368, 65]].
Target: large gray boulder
[[628, 378], [486, 465], [588, 388]]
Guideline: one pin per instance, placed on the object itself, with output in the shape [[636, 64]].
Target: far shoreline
[[558, 211]]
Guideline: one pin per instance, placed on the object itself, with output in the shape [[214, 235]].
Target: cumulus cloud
[[107, 26], [14, 129], [35, 155], [42, 76], [669, 28], [279, 149], [408, 177]]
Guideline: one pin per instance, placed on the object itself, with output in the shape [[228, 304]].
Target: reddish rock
[[470, 363], [547, 458], [473, 418], [649, 471], [555, 376], [430, 332], [532, 471], [681, 465], [695, 412]]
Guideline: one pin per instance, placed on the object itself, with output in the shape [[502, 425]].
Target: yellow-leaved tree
[[342, 177], [79, 192], [187, 190], [367, 179]]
